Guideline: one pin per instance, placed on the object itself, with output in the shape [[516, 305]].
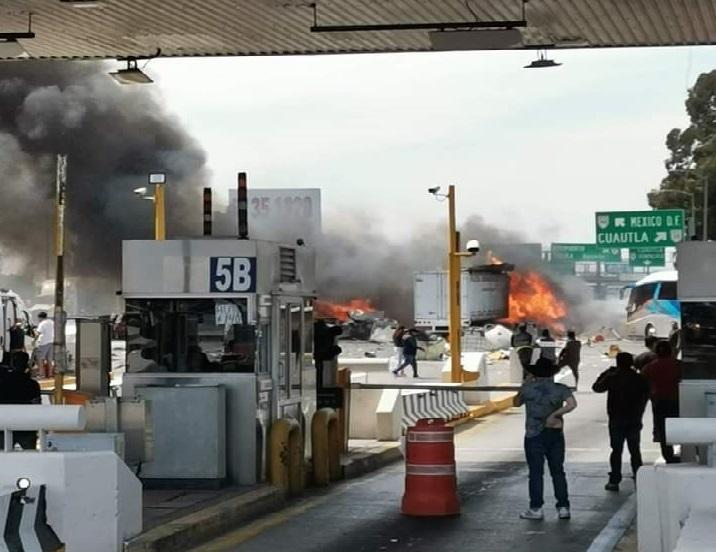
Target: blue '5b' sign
[[232, 274]]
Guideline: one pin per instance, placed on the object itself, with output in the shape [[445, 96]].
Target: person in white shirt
[[44, 345]]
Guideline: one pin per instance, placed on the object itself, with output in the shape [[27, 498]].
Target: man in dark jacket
[[571, 356], [627, 394], [18, 387], [410, 352]]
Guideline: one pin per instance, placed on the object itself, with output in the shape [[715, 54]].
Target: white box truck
[[484, 297]]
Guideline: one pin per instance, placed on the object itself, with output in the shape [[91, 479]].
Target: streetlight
[[690, 195], [454, 257], [158, 180]]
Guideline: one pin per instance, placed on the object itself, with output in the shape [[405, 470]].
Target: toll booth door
[[289, 325]]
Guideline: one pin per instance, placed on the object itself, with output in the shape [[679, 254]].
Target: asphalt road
[[363, 515]]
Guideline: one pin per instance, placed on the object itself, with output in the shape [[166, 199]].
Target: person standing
[[627, 395], [17, 387], [663, 375], [546, 402], [398, 344], [675, 339], [410, 353], [548, 346], [521, 338], [571, 356], [43, 353], [642, 359]]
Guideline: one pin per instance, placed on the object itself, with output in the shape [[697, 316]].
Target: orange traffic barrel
[[430, 479]]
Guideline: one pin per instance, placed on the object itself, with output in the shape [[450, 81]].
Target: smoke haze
[[113, 136]]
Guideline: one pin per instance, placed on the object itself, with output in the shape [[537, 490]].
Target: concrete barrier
[[94, 502], [666, 494], [364, 408], [389, 415]]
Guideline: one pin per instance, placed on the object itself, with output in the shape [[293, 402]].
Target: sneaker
[[563, 513], [532, 513], [614, 487]]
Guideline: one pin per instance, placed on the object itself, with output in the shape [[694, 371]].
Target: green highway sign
[[647, 256], [663, 227], [585, 252]]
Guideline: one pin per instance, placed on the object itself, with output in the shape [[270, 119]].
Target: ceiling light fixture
[[9, 45], [436, 26], [86, 4], [542, 62], [132, 74]]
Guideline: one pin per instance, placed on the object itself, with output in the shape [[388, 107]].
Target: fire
[[341, 311], [533, 298]]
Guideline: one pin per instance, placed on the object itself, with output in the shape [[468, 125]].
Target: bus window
[[641, 294], [668, 291]]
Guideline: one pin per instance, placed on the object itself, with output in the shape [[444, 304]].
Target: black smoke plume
[[113, 136]]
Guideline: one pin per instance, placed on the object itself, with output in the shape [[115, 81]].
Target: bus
[[653, 306]]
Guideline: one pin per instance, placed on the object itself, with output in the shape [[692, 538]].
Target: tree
[[692, 156]]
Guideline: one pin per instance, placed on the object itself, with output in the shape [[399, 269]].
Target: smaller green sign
[[647, 256], [562, 267], [585, 252]]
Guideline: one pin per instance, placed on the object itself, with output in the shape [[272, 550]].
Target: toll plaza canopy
[[139, 28]]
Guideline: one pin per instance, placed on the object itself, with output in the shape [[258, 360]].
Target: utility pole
[[454, 292], [160, 228], [706, 208], [59, 346]]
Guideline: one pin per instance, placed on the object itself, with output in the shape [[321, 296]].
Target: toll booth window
[[307, 335], [283, 355], [296, 320], [668, 291], [197, 335]]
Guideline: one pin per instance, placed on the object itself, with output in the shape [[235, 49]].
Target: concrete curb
[[370, 461], [208, 523], [609, 537]]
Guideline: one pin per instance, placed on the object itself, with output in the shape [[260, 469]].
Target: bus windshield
[[640, 295]]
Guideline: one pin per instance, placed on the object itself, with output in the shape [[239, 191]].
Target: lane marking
[[612, 533]]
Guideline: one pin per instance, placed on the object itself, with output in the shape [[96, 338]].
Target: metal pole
[[692, 222], [454, 292], [160, 229], [207, 212], [706, 209], [59, 346]]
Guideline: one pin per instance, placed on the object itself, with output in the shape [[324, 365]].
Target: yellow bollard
[[285, 458], [326, 442]]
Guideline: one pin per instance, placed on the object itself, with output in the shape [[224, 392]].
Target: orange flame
[[533, 298], [341, 311]]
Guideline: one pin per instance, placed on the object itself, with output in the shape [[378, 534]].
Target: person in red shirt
[[663, 375]]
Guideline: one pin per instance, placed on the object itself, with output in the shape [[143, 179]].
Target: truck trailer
[[484, 297]]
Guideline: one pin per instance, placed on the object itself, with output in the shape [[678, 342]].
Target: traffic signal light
[[325, 353], [324, 341]]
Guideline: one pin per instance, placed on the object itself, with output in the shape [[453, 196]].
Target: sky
[[533, 151]]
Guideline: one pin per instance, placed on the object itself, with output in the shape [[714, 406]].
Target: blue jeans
[[547, 445], [409, 360]]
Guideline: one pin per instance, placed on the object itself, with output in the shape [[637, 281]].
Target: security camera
[[434, 190], [473, 246], [140, 191]]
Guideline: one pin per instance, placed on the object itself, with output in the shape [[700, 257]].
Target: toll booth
[[220, 341], [695, 264]]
